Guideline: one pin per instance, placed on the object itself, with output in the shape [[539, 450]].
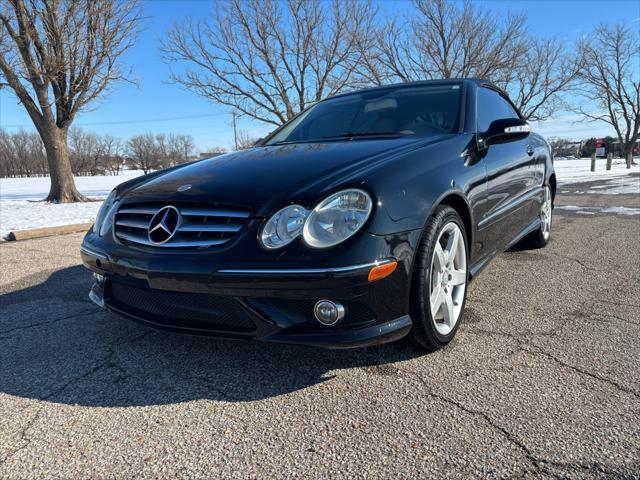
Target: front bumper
[[266, 302]]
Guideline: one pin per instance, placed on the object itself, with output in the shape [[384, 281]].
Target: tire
[[540, 238], [437, 278]]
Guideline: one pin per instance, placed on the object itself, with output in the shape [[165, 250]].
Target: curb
[[47, 231]]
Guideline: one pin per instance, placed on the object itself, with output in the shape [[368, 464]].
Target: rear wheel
[[440, 280], [540, 237]]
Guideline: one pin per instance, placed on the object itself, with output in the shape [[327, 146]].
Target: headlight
[[283, 227], [105, 214], [108, 219], [337, 218]]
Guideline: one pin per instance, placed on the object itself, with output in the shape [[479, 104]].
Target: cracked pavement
[[542, 380]]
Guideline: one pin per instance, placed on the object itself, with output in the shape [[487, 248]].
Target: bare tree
[[8, 167], [84, 152], [21, 154], [440, 39], [145, 152], [545, 72], [112, 149], [180, 148], [94, 154], [610, 82], [245, 140], [162, 150], [212, 152], [267, 59], [564, 147], [443, 39], [58, 56]]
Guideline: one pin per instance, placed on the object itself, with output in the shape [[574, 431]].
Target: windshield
[[397, 111]]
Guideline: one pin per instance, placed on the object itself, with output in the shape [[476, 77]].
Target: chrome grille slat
[[204, 227], [213, 212], [126, 222], [133, 238], [194, 243], [139, 210], [143, 240], [200, 225]]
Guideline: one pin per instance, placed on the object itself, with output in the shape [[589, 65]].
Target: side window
[[491, 106]]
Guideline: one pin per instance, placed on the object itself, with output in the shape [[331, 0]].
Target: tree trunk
[[628, 153], [63, 187]]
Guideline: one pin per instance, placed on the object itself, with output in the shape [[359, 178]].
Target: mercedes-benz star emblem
[[184, 188], [164, 225]]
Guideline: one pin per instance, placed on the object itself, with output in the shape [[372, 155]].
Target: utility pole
[[235, 132]]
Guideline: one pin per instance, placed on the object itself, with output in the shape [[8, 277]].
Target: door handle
[[530, 150]]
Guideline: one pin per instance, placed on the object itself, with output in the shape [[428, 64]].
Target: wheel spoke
[[458, 277], [437, 297], [452, 245], [439, 257], [447, 310]]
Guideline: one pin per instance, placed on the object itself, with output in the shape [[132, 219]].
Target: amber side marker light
[[382, 271]]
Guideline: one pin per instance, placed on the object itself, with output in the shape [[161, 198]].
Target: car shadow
[[57, 346]]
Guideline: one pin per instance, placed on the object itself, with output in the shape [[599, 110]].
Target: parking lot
[[542, 380]]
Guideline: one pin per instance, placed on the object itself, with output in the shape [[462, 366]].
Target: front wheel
[[440, 280]]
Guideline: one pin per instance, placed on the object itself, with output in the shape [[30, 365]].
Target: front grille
[[199, 226], [177, 309]]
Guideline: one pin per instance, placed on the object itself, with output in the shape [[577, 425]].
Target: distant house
[[573, 149], [616, 149], [608, 145]]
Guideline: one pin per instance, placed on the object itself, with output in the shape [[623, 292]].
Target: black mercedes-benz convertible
[[358, 222]]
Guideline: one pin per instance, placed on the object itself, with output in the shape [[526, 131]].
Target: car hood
[[264, 178]]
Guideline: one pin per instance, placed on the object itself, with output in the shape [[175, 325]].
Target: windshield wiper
[[363, 134], [340, 135]]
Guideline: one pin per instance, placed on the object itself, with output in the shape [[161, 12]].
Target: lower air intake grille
[[356, 313], [193, 225], [178, 309]]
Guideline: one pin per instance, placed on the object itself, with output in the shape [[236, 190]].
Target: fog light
[[328, 312], [99, 279]]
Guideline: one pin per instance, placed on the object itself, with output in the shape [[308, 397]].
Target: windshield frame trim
[[461, 117]]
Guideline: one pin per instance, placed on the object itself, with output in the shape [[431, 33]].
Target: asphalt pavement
[[542, 380]]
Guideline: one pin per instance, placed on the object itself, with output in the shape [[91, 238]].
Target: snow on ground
[[23, 215], [21, 208], [616, 186], [584, 210], [579, 170], [37, 188]]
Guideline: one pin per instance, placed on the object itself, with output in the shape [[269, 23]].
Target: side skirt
[[477, 267], [532, 227]]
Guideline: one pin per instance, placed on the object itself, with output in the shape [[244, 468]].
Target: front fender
[[409, 190]]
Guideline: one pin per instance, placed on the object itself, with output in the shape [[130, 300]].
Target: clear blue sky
[[129, 110]]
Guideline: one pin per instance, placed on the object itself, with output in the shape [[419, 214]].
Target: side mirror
[[506, 130]]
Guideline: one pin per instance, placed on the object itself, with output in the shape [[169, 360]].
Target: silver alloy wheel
[[545, 213], [448, 278]]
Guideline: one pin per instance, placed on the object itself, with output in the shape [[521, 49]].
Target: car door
[[509, 174]]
